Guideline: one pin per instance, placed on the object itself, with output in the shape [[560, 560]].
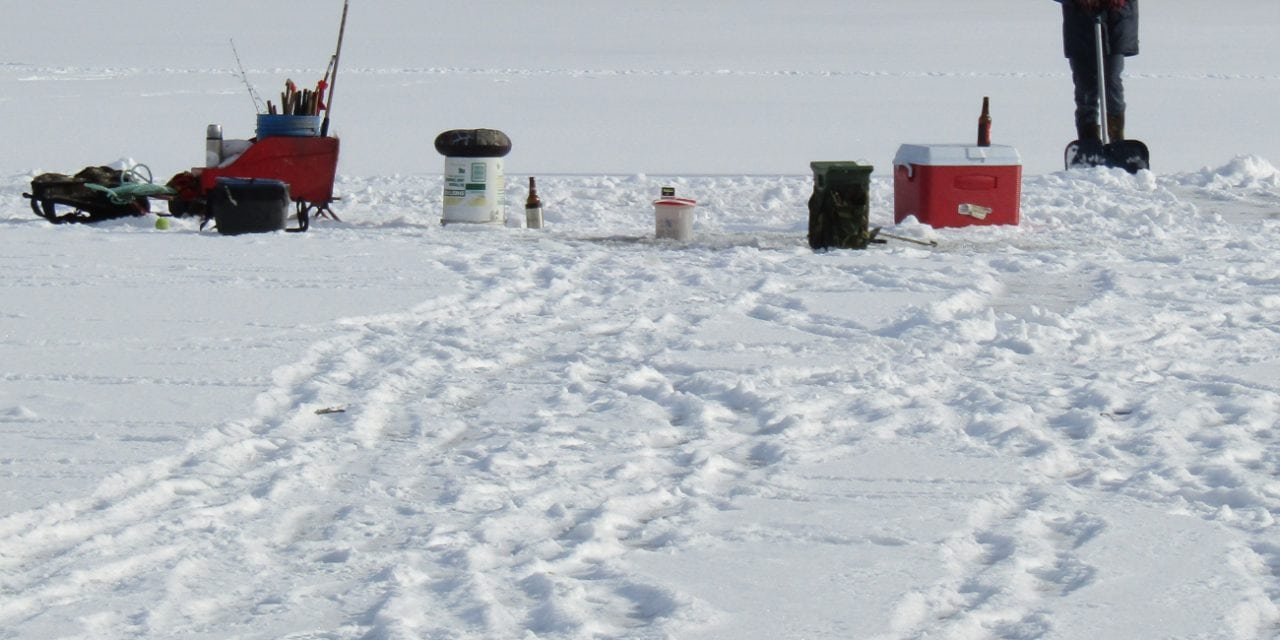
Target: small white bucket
[[474, 191], [674, 218]]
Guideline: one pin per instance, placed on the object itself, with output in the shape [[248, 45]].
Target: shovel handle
[[1099, 31]]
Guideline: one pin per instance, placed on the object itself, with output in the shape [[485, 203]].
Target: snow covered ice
[[385, 428]]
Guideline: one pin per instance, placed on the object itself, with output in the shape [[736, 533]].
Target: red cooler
[[956, 185]]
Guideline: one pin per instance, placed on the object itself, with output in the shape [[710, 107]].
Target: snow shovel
[[1130, 155]]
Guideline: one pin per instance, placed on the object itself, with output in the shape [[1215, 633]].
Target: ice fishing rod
[[927, 243], [244, 77], [337, 55]]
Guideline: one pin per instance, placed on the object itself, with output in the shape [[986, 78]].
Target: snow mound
[[1242, 172], [17, 413]]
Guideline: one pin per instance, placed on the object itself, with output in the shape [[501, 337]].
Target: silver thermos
[[213, 145]]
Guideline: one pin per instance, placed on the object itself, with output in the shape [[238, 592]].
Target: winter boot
[[1087, 130], [1115, 127]]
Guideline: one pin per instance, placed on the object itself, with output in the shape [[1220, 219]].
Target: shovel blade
[[1130, 155], [1084, 154]]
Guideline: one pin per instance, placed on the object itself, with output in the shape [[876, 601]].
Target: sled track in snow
[[441, 390]]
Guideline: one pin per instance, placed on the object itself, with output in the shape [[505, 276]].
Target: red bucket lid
[[675, 202]]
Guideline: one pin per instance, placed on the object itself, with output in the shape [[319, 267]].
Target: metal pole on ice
[[333, 82]]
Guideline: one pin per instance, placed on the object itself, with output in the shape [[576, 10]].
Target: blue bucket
[[274, 125]]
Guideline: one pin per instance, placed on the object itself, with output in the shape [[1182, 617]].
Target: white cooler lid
[[956, 154]]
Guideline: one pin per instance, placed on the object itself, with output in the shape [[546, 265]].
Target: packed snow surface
[[387, 428]]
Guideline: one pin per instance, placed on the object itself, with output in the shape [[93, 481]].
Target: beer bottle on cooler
[[533, 207], [984, 123]]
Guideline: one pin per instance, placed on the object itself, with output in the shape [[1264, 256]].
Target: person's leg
[[1115, 97], [1084, 74]]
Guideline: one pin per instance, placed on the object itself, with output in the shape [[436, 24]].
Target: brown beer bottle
[[984, 123], [533, 206]]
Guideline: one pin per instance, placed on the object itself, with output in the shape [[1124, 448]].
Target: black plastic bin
[[248, 205], [840, 207]]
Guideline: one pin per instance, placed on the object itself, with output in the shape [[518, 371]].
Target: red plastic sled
[[307, 164]]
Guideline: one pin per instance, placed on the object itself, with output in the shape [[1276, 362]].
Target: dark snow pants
[[1084, 72]]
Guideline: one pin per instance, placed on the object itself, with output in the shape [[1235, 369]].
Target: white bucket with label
[[474, 190], [673, 218]]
